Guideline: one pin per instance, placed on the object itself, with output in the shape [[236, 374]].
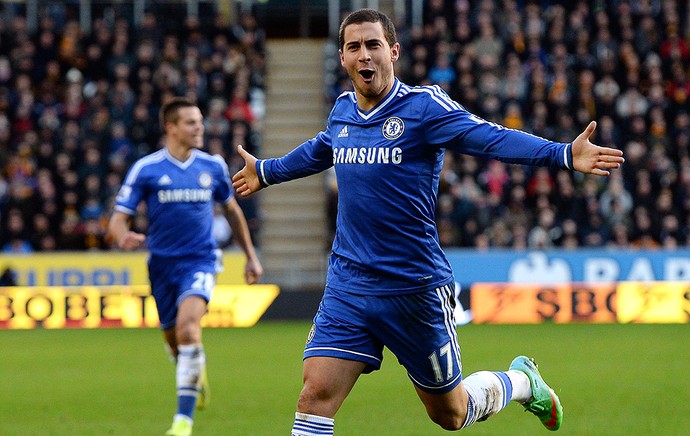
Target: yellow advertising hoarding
[[100, 268], [654, 302], [122, 306]]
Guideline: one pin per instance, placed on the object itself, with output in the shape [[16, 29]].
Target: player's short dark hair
[[170, 110], [368, 16]]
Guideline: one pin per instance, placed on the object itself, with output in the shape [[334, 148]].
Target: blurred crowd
[[77, 108], [549, 68]]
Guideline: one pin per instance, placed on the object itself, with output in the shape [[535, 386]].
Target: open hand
[[593, 159], [246, 181]]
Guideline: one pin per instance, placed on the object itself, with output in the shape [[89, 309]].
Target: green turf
[[612, 380]]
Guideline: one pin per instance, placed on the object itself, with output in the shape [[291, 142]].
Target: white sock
[[488, 392], [190, 362], [312, 425], [522, 390]]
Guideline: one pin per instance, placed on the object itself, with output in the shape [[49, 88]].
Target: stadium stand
[[78, 106], [549, 67]]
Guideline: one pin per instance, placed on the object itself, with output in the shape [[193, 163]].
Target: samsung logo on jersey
[[378, 155], [184, 195]]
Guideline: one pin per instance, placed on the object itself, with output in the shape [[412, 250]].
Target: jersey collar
[[177, 162], [383, 103]]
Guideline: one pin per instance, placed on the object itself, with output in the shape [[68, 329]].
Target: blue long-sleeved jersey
[[387, 164]]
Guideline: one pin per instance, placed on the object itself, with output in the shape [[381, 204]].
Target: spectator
[[8, 277], [615, 201], [76, 108], [546, 232], [442, 72], [16, 235]]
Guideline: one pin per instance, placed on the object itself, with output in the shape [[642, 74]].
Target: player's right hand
[[131, 240], [246, 181]]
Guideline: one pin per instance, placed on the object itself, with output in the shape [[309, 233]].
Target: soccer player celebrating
[[389, 283], [179, 185]]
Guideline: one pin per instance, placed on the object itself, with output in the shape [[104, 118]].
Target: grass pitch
[[612, 380]]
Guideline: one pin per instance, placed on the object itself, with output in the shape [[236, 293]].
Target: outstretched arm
[[593, 159], [246, 181]]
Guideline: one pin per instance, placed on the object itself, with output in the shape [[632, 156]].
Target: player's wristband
[[568, 156], [261, 172]]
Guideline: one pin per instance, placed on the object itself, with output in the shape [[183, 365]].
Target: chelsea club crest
[[205, 180], [393, 128]]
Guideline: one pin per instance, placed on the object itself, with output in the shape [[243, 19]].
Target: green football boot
[[180, 427], [544, 402]]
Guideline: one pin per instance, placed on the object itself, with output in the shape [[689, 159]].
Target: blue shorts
[[173, 280], [418, 328]]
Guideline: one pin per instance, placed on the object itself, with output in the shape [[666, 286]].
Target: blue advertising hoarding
[[563, 266]]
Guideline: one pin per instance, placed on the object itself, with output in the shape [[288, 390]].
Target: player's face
[[368, 60], [188, 131]]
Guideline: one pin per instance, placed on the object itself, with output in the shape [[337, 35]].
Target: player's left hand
[[253, 271], [593, 159]]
